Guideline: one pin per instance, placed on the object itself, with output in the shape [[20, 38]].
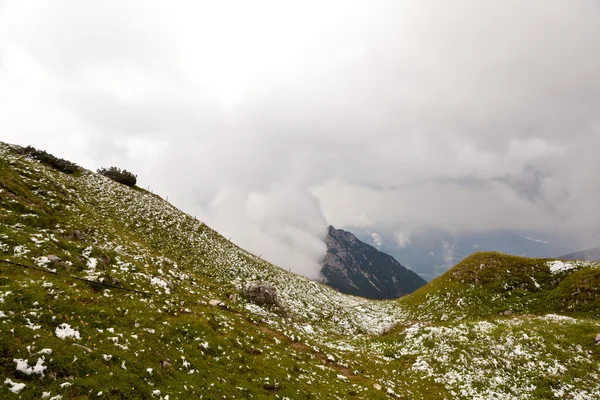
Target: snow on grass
[[64, 331], [20, 251], [15, 387], [38, 368], [42, 261], [496, 359], [463, 359], [559, 318], [3, 295], [558, 266]]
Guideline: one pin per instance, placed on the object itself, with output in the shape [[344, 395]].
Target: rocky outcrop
[[263, 294], [354, 267]]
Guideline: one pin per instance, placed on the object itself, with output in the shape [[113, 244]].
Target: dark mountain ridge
[[584, 255], [354, 267], [431, 252]]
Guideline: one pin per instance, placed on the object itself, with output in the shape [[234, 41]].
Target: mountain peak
[[354, 267]]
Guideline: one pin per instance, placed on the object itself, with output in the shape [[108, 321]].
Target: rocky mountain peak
[[354, 267]]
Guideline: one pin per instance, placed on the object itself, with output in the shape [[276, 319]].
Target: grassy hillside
[[118, 305], [493, 284]]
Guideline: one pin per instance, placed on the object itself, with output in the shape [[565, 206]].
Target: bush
[[57, 163], [120, 175]]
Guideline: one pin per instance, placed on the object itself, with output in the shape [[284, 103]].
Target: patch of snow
[[308, 329], [559, 318], [31, 326], [558, 266], [65, 331], [42, 261], [3, 295], [20, 251], [92, 263], [15, 387], [38, 368]]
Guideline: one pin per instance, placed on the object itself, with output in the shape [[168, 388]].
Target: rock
[[279, 310], [169, 281], [103, 262], [114, 281], [233, 297], [507, 312], [77, 234], [377, 386], [54, 259], [261, 294], [166, 363], [598, 338], [58, 262], [215, 302]]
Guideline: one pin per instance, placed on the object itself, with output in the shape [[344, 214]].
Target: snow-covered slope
[[188, 331]]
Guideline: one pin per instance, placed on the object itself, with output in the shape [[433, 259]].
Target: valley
[[128, 297]]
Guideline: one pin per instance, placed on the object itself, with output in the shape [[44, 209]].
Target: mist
[[271, 120]]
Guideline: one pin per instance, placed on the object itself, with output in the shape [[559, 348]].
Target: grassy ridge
[[489, 283]]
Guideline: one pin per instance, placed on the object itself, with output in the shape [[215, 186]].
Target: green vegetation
[[57, 163], [489, 284], [495, 326], [119, 175]]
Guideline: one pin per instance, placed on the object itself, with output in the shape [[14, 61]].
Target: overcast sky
[[272, 119]]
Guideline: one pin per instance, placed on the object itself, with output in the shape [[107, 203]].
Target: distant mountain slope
[[584, 255], [354, 267], [431, 252]]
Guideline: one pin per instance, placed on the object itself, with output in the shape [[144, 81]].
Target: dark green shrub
[[120, 175], [57, 163]]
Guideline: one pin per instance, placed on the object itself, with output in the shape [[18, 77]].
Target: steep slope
[[166, 340], [584, 255], [125, 296], [354, 267]]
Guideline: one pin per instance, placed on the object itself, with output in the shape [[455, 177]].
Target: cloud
[[271, 120]]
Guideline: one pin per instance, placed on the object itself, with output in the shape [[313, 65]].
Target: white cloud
[[283, 117]]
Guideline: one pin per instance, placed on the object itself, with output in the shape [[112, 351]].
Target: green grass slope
[[488, 284], [70, 330]]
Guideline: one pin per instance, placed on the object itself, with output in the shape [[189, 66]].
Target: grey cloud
[[278, 121]]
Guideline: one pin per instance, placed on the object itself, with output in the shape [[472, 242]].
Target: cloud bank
[[271, 120]]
